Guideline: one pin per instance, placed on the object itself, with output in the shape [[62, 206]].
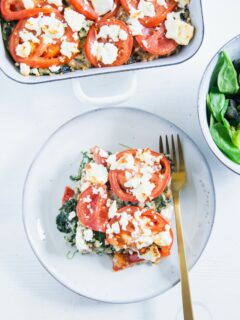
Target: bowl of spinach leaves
[[219, 104]]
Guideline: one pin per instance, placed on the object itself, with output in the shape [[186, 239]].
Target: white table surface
[[29, 114]]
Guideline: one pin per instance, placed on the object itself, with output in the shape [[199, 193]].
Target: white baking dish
[[7, 65]]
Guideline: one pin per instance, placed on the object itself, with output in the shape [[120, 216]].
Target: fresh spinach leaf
[[215, 104], [227, 77], [222, 139]]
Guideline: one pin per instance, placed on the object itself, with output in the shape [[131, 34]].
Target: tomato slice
[[15, 10], [160, 177], [92, 210], [43, 55], [147, 219], [154, 41], [68, 194], [160, 11], [86, 8], [124, 47]]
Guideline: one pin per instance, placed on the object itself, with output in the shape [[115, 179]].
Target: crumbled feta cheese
[[71, 215], [88, 234], [52, 27], [147, 8], [167, 212], [23, 50], [162, 3], [124, 220], [33, 24], [144, 241], [24, 69], [124, 163], [75, 20], [35, 72], [114, 32], [80, 241], [105, 52], [135, 27], [163, 238], [115, 227], [101, 7], [68, 48], [141, 187], [25, 35], [57, 3], [112, 209], [96, 173], [182, 3], [54, 68], [87, 199], [178, 30], [28, 4]]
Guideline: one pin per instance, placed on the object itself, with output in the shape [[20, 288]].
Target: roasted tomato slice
[[15, 9], [155, 14], [154, 41], [92, 210], [68, 194], [43, 41], [109, 43], [139, 175], [134, 228], [94, 10]]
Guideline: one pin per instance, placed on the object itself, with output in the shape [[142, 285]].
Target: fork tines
[[175, 151]]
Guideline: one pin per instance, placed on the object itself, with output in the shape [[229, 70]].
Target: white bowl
[[232, 48], [91, 275]]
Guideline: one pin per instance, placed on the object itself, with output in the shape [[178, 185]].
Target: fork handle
[[186, 294]]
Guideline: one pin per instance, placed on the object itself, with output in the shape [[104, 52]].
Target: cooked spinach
[[86, 158], [161, 202], [64, 224], [223, 105]]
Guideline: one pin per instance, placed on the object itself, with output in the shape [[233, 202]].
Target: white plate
[[91, 275]]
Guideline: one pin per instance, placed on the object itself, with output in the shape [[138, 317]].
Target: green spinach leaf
[[215, 104], [86, 158], [227, 77], [222, 139]]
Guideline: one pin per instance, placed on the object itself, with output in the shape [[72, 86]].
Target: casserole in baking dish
[[51, 43]]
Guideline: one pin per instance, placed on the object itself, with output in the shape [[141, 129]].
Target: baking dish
[[7, 65]]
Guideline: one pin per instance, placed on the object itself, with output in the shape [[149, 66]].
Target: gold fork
[[178, 182]]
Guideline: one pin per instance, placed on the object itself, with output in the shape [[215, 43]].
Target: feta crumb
[[71, 215], [96, 173], [124, 220], [25, 35], [167, 212], [54, 68], [114, 32], [57, 3], [35, 72], [163, 3], [80, 241], [112, 209], [75, 20], [115, 227], [105, 52], [88, 234], [33, 24], [23, 50], [147, 8], [101, 7], [163, 238], [182, 3], [28, 4], [24, 69], [52, 27], [178, 30], [68, 48]]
